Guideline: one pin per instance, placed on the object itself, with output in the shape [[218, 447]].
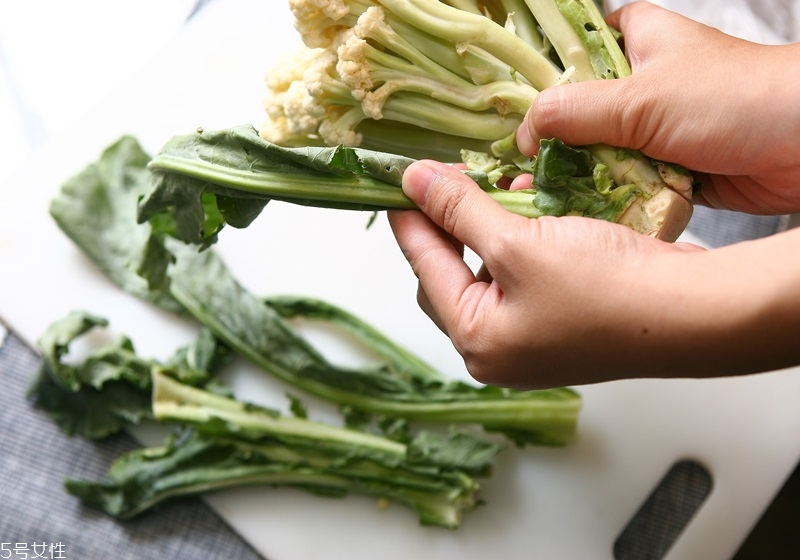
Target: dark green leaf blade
[[117, 251], [569, 182]]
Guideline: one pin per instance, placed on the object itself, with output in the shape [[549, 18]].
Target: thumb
[[592, 112], [603, 111], [454, 202]]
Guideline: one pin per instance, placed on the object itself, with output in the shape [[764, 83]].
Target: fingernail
[[417, 180], [525, 142]]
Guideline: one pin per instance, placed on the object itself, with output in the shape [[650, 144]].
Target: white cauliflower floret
[[372, 104], [353, 67], [289, 113], [317, 74], [275, 130], [303, 113], [373, 18], [335, 135], [338, 127], [291, 68], [333, 9], [320, 21]]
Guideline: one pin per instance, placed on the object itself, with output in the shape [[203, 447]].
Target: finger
[[455, 203], [602, 111], [522, 182], [527, 136], [541, 121], [613, 16], [598, 111], [621, 18], [425, 304], [436, 261]]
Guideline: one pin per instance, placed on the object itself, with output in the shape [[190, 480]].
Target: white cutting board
[[541, 503]]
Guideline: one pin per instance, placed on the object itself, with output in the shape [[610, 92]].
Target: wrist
[[733, 310]]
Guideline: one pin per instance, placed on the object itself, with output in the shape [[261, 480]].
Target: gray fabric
[[722, 227], [34, 459]]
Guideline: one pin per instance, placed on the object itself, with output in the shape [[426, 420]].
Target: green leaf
[[569, 182], [397, 385], [118, 251], [244, 172], [460, 450], [111, 387], [298, 407], [191, 463], [98, 396], [188, 465], [597, 38], [89, 412]]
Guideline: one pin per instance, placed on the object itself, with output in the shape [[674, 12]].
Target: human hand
[[553, 296], [572, 300], [722, 107]]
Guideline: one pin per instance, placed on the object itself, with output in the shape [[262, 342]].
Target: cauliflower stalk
[[428, 78], [449, 79]]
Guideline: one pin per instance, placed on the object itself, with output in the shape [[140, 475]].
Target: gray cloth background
[[723, 227]]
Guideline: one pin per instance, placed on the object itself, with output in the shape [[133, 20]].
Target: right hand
[[725, 108]]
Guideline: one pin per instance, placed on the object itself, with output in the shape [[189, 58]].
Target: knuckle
[[450, 198], [504, 247], [483, 365], [638, 120], [547, 115], [426, 257], [477, 342]]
